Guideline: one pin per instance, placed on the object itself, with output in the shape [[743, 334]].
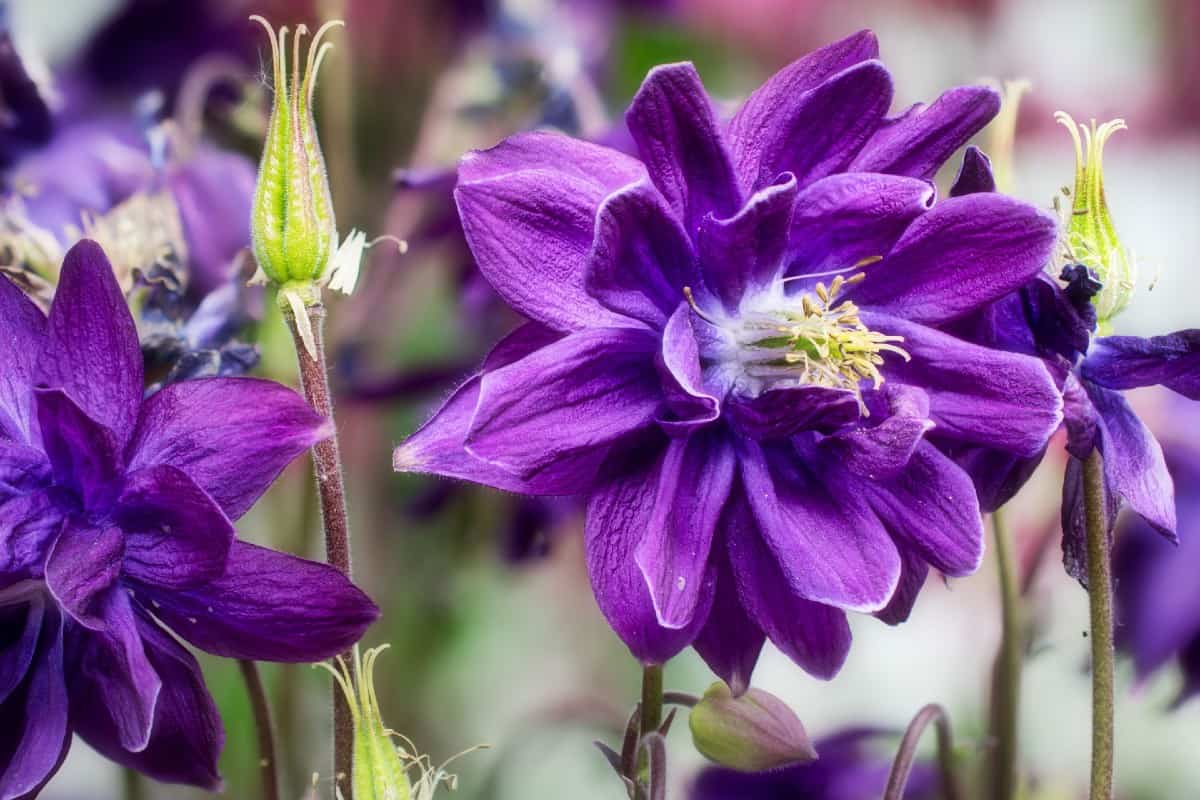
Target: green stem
[[1100, 603], [652, 698], [133, 787], [1006, 677], [267, 762]]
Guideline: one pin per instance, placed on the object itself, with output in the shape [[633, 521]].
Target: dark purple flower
[[116, 519], [1157, 594], [848, 767], [750, 437]]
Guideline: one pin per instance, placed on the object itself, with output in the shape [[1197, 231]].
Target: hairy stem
[[902, 766], [267, 762], [1100, 602], [652, 698], [327, 463], [1006, 676], [133, 787]]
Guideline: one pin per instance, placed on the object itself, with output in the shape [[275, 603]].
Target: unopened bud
[[754, 732]]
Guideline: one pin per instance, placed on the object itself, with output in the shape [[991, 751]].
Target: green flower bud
[[754, 732], [292, 225], [1091, 237]]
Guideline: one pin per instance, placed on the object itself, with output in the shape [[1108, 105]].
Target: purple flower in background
[[846, 769], [116, 519], [1157, 594], [750, 434]]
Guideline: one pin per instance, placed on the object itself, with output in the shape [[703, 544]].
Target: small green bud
[[292, 226], [1091, 236], [754, 732]]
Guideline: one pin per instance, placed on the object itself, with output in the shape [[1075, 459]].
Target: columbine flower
[[116, 520], [731, 354]]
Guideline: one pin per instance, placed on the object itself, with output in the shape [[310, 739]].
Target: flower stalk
[[1004, 778], [267, 762], [906, 755], [1100, 603]]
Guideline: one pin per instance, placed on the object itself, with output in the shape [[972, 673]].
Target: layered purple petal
[[744, 252], [974, 174], [780, 413], [232, 436], [683, 145], [817, 133], [965, 252], [730, 641], [21, 630], [176, 536], [641, 259], [687, 403], [976, 394], [268, 606], [914, 570], [91, 348], [85, 455], [36, 719], [829, 547], [922, 139], [22, 330], [29, 526], [694, 481], [845, 219], [531, 228], [582, 392], [83, 568], [1127, 362], [884, 448], [22, 469]]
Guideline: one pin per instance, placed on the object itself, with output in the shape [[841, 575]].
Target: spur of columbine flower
[[732, 355], [116, 524]]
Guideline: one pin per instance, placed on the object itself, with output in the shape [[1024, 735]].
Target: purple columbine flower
[[1157, 594], [116, 524], [847, 769], [750, 433]]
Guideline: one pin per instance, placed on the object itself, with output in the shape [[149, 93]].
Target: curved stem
[[267, 762], [902, 766], [1006, 677], [1100, 603], [327, 463]]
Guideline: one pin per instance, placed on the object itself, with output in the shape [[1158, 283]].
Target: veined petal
[[1127, 362], [913, 572], [605, 169], [782, 413], [22, 469], [29, 525], [83, 568], [730, 641], [688, 403], [84, 454], [22, 331], [974, 174], [883, 449], [22, 629], [36, 719]]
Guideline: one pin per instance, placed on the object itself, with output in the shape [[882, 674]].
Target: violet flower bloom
[[751, 436], [847, 769], [116, 519], [1157, 594]]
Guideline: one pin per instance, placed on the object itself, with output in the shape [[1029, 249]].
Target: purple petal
[[843, 220], [997, 475], [744, 252], [114, 665], [531, 227], [965, 252], [29, 525], [83, 568], [694, 480], [829, 547], [269, 606], [930, 507], [579, 393], [84, 454], [232, 436], [913, 572], [22, 628], [641, 258], [976, 395], [36, 720], [974, 174], [682, 144], [781, 413], [885, 448], [618, 516], [757, 127], [1074, 520], [91, 348], [815, 636], [813, 134], [186, 737], [690, 404], [730, 641], [22, 469], [1127, 362], [22, 330], [176, 536], [923, 138]]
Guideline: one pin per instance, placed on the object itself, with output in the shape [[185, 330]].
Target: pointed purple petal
[[579, 393], [641, 259], [29, 526], [913, 572], [962, 254], [91, 348], [683, 145], [83, 568], [744, 252], [605, 170], [22, 331], [923, 138], [730, 641], [22, 469], [232, 436], [974, 174], [36, 719], [780, 413], [1127, 362], [84, 454], [817, 133], [268, 606], [688, 403], [885, 448]]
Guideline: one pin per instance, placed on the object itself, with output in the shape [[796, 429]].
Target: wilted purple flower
[[1157, 594], [116, 520], [847, 768], [750, 434]]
